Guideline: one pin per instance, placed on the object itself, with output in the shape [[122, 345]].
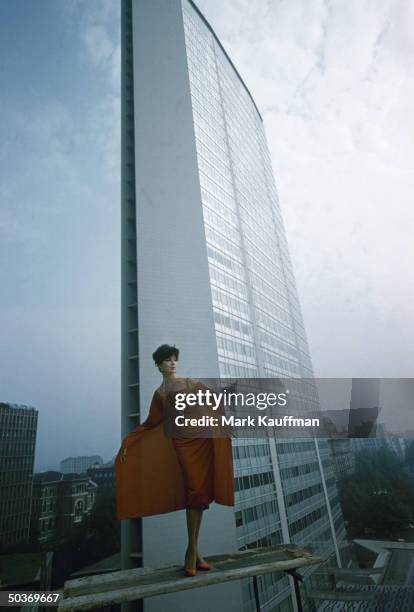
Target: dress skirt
[[196, 459]]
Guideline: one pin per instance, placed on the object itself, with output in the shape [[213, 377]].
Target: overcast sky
[[334, 83]]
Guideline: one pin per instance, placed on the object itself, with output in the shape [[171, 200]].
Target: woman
[[156, 474]]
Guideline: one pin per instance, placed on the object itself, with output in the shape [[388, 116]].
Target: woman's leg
[[200, 518], [193, 527]]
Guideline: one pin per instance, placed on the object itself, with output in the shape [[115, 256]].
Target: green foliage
[[379, 495]]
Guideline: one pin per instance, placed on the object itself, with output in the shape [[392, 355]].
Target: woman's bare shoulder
[[160, 390]]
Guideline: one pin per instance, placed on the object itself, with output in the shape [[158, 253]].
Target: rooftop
[[49, 476], [6, 405]]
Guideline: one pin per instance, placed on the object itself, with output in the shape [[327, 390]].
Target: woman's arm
[[154, 418], [155, 415]]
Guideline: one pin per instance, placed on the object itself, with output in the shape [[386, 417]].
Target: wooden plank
[[233, 561], [94, 591], [341, 595], [356, 571]]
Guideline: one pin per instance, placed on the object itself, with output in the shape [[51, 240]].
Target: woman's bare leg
[[200, 518], [193, 526]]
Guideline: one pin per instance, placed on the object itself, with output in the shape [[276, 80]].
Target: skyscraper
[[205, 266], [18, 429]]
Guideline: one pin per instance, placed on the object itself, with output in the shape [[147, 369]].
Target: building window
[[78, 509]]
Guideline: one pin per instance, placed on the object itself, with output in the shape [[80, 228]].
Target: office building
[[18, 429], [206, 266], [79, 465]]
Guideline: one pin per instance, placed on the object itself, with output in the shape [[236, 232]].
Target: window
[[79, 509]]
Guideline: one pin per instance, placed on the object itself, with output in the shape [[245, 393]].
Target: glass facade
[[285, 490], [18, 428]]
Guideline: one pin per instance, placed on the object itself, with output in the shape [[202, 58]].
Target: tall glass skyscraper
[[205, 266], [18, 429]]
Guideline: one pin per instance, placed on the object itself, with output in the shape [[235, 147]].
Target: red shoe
[[202, 565]]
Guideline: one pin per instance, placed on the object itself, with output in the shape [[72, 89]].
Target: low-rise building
[[60, 501]]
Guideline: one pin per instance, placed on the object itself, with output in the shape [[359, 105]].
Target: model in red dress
[[156, 474]]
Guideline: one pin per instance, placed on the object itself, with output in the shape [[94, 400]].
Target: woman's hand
[[122, 456]]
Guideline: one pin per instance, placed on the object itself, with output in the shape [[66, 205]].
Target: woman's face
[[169, 365]]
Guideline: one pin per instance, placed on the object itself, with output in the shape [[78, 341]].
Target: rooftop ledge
[[139, 583]]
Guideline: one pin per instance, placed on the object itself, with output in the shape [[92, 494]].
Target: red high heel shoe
[[203, 565]]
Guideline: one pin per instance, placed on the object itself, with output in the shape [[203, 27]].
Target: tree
[[379, 495]]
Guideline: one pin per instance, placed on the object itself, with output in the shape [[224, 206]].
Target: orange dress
[[162, 474]]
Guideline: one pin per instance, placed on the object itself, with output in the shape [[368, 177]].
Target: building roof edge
[[195, 7]]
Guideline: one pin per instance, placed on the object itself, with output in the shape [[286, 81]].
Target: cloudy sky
[[334, 83]]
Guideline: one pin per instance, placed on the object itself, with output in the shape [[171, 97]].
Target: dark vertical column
[[131, 529]]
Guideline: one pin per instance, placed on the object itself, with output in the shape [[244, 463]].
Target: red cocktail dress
[[162, 474]]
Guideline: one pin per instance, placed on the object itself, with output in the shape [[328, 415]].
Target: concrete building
[[18, 429], [206, 266], [79, 465]]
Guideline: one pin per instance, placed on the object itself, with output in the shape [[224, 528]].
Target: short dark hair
[[163, 352]]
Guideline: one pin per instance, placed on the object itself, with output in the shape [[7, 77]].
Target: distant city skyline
[[334, 87]]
